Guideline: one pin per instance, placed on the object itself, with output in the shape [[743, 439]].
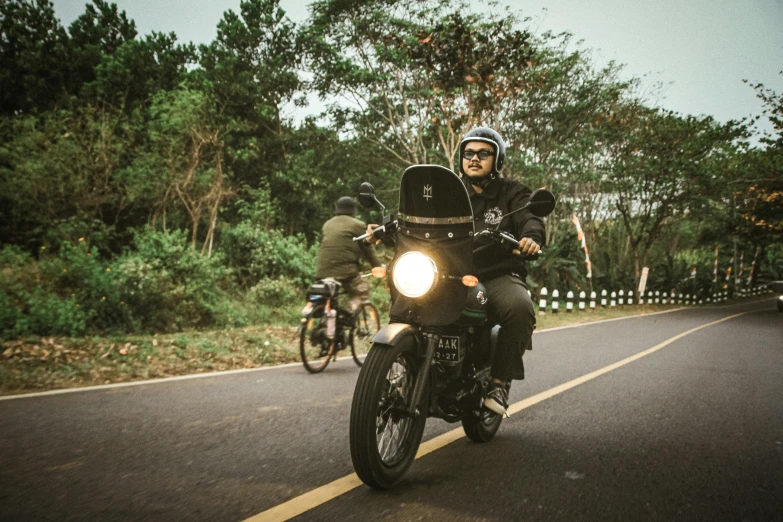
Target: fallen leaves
[[36, 364], [48, 350]]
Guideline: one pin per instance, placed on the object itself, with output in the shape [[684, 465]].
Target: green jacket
[[339, 255]]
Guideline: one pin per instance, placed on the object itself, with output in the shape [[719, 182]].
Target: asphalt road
[[692, 431]]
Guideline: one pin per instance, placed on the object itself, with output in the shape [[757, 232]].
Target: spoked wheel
[[367, 324], [315, 347], [383, 437]]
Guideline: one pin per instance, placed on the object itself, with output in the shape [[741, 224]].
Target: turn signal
[[379, 271], [469, 280]]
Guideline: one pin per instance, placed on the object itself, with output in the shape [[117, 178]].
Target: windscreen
[[435, 219]]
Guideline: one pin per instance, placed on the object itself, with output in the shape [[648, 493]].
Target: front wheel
[[383, 437], [366, 325], [315, 347]]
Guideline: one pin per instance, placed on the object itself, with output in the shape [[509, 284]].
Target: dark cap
[[345, 206]]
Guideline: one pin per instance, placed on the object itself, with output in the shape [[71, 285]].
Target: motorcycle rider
[[482, 153], [339, 256]]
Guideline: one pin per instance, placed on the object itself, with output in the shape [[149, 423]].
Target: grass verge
[[36, 364], [46, 363]]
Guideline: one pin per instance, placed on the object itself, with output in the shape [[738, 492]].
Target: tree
[[62, 171], [187, 151], [251, 73], [96, 34], [250, 69], [320, 167], [761, 190], [559, 131], [139, 68], [33, 57], [415, 75], [664, 170]]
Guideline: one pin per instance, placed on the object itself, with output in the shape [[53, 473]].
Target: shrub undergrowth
[[158, 284]]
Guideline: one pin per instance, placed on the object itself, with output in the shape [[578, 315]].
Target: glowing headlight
[[414, 274]]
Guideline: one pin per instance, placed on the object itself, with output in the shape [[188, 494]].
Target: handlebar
[[382, 233], [365, 236], [502, 238], [495, 236]]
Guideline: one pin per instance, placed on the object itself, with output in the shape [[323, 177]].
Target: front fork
[[432, 337]]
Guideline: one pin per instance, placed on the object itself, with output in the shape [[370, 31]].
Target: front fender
[[393, 333]]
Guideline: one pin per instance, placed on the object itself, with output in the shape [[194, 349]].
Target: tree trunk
[[291, 222]]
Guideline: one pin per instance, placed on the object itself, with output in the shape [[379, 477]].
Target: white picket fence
[[621, 298]]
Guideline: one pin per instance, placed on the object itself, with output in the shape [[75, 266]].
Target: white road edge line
[[157, 381], [288, 365]]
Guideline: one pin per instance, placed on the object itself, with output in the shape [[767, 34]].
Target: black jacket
[[499, 198]]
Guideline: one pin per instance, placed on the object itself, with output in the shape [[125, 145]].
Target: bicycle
[[320, 341]]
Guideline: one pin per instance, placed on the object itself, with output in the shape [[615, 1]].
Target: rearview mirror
[[542, 203], [367, 196]]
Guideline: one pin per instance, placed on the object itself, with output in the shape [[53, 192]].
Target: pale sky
[[701, 50]]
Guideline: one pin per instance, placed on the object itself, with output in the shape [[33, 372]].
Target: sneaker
[[497, 398]]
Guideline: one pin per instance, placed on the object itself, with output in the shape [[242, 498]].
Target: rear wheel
[[383, 437], [481, 425], [315, 347], [367, 324]]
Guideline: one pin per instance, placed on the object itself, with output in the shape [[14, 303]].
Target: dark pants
[[510, 305], [358, 290]]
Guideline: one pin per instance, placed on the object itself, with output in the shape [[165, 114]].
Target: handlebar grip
[[508, 238], [532, 256], [376, 230]]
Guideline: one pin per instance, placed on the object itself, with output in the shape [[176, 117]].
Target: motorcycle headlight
[[414, 274]]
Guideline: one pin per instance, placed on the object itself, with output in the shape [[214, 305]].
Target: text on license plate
[[447, 349]]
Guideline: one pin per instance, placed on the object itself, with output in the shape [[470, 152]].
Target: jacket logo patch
[[493, 216], [427, 192]]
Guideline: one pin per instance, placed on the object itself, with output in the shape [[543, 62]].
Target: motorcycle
[[433, 359]]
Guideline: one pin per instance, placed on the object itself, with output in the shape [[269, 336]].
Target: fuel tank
[[475, 310]]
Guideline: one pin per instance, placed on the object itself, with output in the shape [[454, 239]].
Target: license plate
[[448, 349]]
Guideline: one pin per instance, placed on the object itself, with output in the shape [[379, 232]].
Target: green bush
[[169, 286], [10, 315], [276, 292], [254, 254], [79, 273], [47, 314], [62, 293], [158, 284], [275, 301]]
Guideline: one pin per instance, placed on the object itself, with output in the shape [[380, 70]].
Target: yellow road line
[[307, 501]]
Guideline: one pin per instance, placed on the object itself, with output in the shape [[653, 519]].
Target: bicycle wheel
[[315, 347], [367, 324]]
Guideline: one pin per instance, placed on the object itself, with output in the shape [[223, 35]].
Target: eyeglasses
[[482, 154]]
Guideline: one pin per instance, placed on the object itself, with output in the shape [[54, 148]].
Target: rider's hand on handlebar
[[527, 247], [370, 239]]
